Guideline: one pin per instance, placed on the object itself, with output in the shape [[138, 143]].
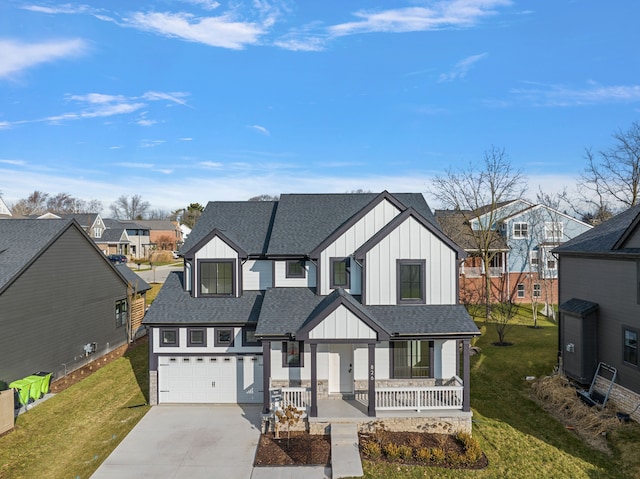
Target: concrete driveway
[[187, 441]]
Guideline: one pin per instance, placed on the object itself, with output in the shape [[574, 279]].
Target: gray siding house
[[62, 303], [314, 298], [599, 287]]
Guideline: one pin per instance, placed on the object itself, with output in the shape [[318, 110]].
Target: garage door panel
[[217, 379]]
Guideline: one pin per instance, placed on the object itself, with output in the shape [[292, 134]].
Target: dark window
[[520, 230], [249, 337], [536, 290], [224, 337], [169, 337], [630, 347], [216, 278], [196, 337], [412, 359], [295, 269], [340, 274], [411, 281], [292, 354], [520, 290], [121, 313]]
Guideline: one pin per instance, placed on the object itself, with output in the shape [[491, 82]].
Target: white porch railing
[[398, 398], [300, 398], [421, 398]]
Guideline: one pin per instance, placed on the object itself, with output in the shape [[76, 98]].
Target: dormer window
[[340, 273], [217, 277]]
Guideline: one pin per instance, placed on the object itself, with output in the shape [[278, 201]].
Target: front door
[[340, 369]]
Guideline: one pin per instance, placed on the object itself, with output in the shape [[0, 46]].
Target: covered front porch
[[348, 379]]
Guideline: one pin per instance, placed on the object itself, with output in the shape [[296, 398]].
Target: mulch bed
[[419, 440], [301, 449], [307, 449]]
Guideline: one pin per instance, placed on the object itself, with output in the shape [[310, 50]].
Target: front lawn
[[72, 433]]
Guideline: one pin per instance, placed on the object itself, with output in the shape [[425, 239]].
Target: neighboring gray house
[[138, 237], [317, 297], [599, 276], [62, 303]]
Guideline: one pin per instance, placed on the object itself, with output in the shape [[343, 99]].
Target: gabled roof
[[578, 307], [483, 210], [287, 311], [246, 222], [607, 237], [398, 220], [22, 241], [227, 238], [113, 235], [173, 305], [304, 221], [554, 213]]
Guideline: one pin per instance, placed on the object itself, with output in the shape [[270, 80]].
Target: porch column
[[266, 375], [466, 376], [314, 380], [371, 410]]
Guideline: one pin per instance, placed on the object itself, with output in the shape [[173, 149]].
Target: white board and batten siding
[[342, 324], [216, 248], [351, 240], [411, 240]]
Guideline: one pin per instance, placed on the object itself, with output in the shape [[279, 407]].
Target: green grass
[[72, 433], [519, 438]]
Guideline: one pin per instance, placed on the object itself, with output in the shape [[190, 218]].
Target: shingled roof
[[294, 225], [21, 241], [603, 238]]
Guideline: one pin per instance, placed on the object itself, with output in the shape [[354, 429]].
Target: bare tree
[[265, 198], [501, 316], [34, 204], [611, 180], [129, 209], [158, 214], [476, 192]]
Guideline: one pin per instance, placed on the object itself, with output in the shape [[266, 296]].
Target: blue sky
[[199, 100]]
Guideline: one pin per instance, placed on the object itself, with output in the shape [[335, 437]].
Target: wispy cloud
[[210, 165], [100, 105], [461, 68], [439, 15], [564, 96], [260, 129], [151, 143], [221, 31], [58, 9], [17, 56], [204, 4], [14, 162]]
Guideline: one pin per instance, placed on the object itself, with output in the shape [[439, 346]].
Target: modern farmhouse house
[[314, 297]]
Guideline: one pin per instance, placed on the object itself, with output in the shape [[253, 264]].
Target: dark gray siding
[[63, 301], [613, 285]]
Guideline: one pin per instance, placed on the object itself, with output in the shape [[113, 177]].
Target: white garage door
[[209, 379]]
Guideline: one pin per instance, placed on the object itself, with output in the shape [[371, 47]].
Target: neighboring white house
[[316, 296]]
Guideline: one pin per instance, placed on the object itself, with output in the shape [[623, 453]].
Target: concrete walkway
[[345, 455]]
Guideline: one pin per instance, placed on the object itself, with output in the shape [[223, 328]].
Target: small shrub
[[472, 451], [455, 458], [423, 455], [371, 449], [405, 452], [438, 454], [391, 450], [415, 442]]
